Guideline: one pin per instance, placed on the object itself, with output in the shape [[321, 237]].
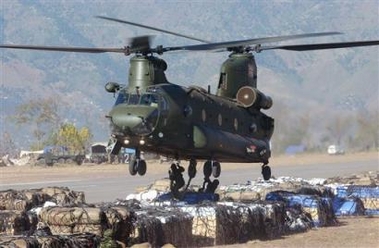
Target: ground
[[351, 232]]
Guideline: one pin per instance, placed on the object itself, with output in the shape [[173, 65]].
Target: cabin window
[[203, 115], [222, 84], [187, 111], [235, 124]]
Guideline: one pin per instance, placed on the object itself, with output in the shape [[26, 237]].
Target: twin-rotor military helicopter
[[189, 123]]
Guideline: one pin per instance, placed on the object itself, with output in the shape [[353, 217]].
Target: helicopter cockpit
[[147, 99]]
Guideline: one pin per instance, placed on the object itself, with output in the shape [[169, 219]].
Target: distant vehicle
[[98, 153], [335, 150], [59, 154]]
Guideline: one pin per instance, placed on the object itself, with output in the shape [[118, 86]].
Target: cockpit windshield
[[148, 99]]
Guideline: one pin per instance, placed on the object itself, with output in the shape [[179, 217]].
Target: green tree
[[74, 139]]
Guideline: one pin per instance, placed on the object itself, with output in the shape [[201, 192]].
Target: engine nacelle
[[248, 96]]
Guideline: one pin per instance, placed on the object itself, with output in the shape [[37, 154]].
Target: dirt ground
[[351, 232]]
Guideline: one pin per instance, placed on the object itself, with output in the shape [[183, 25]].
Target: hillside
[[319, 84]]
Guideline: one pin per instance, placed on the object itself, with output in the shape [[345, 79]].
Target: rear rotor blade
[[243, 43], [321, 46], [68, 49], [152, 28]]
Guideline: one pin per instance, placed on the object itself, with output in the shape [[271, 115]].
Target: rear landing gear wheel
[[207, 169], [216, 169], [192, 168], [266, 172]]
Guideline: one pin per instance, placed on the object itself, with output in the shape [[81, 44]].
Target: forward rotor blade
[[243, 43], [67, 49], [321, 46], [152, 28]]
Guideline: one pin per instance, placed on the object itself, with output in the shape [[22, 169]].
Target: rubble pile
[[59, 217]]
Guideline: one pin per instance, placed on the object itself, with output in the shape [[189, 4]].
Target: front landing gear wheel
[[141, 169], [266, 172], [133, 166]]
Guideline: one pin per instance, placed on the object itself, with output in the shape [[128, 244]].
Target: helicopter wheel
[[216, 169], [141, 168], [133, 166], [207, 169], [192, 168], [266, 172]]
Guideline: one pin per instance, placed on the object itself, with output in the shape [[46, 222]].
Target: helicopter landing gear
[[192, 168], [211, 168], [137, 165], [266, 172]]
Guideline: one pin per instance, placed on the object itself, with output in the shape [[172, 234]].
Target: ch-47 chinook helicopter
[[189, 123]]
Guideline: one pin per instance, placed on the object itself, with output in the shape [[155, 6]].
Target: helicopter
[[151, 114]]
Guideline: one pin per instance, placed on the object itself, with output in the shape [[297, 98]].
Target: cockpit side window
[[122, 97], [222, 84]]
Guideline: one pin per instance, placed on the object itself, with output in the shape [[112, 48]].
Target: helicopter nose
[[137, 120]]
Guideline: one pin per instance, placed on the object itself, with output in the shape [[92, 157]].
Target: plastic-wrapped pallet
[[356, 200], [64, 196], [240, 196], [14, 200], [318, 208], [24, 200], [120, 221], [14, 222], [258, 220], [368, 195], [66, 220], [274, 219], [214, 224], [159, 226]]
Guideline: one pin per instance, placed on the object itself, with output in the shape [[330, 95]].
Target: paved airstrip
[[109, 187]]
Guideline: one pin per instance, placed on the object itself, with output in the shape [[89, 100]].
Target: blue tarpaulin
[[356, 200]]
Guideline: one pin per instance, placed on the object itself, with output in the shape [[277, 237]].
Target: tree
[[368, 130], [7, 145], [338, 128], [42, 114], [72, 138]]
